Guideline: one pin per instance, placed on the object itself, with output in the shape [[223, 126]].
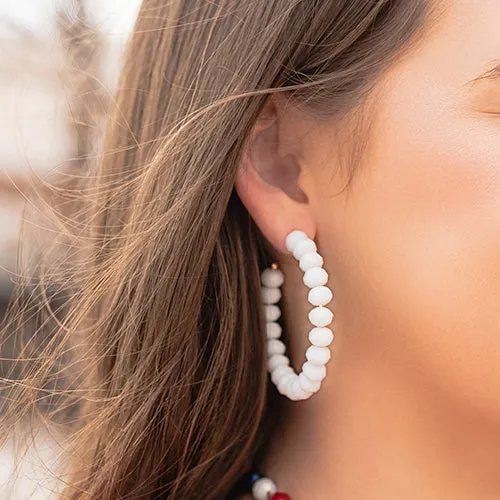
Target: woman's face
[[413, 244]]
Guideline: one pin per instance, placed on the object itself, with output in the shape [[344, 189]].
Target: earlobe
[[268, 184]]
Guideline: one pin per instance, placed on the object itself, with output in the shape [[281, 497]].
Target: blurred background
[[59, 64]]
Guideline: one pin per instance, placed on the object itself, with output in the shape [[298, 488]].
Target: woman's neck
[[370, 434], [377, 430]]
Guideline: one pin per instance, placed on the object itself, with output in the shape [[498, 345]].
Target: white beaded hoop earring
[[290, 384]]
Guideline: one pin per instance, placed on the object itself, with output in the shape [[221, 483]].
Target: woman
[[363, 134]]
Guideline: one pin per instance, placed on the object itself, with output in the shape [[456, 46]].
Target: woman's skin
[[410, 408]]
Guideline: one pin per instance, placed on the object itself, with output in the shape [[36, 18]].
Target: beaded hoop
[[290, 384]]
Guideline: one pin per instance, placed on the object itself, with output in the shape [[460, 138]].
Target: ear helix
[[304, 384]]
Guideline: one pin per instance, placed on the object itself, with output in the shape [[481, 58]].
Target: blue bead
[[245, 483], [255, 477]]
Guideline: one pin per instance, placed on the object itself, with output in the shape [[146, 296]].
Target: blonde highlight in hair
[[153, 314]]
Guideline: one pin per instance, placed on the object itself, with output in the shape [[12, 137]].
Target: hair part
[[162, 314]]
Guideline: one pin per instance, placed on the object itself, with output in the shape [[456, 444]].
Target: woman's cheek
[[422, 234]]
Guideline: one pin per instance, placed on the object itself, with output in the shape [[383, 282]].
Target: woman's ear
[[268, 180]]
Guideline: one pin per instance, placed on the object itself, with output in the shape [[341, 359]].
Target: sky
[[115, 17]]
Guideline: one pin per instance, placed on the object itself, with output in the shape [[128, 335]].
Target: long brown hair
[[152, 319]]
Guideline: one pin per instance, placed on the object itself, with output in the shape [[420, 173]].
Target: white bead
[[270, 295], [316, 276], [320, 316], [273, 330], [321, 337], [293, 238], [278, 372], [272, 278], [320, 296], [297, 393], [272, 312], [314, 372], [307, 384], [304, 247], [263, 488], [309, 260], [275, 347], [277, 360], [318, 355], [285, 381]]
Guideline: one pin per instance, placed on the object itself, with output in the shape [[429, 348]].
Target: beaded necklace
[[260, 486]]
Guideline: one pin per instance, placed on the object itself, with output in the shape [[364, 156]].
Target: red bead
[[280, 496]]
